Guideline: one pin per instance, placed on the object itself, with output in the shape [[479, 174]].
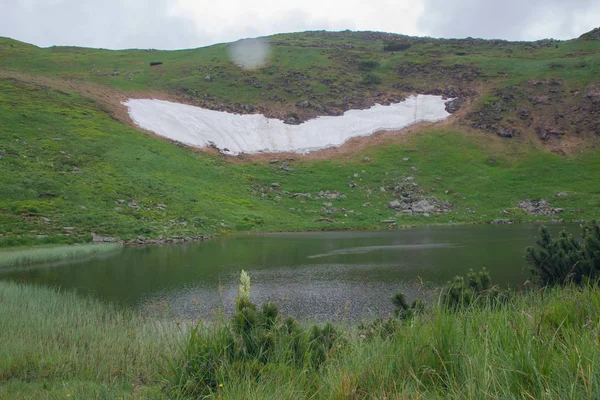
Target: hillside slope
[[72, 162]]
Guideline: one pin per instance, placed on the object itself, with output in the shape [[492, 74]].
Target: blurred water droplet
[[249, 53]]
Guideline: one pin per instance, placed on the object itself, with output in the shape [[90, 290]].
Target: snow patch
[[255, 133]]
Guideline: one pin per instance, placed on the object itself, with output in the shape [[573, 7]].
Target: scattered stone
[[562, 194], [44, 219], [284, 166], [351, 185], [327, 204], [132, 204], [414, 169], [120, 201], [324, 220], [274, 161], [209, 78], [538, 207], [406, 159], [388, 221], [366, 159], [275, 185], [501, 222], [83, 207], [302, 195]]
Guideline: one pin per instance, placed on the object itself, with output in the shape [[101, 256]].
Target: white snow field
[[254, 133]]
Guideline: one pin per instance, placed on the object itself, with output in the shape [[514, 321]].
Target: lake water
[[324, 275]]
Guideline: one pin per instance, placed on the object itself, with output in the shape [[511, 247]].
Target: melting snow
[[255, 133]]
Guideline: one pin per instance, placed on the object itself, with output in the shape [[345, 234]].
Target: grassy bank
[[47, 254], [57, 343], [542, 345], [87, 172]]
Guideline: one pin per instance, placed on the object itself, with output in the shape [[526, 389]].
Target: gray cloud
[[509, 19], [104, 23], [172, 24]]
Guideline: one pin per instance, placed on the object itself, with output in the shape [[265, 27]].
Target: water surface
[[325, 275]]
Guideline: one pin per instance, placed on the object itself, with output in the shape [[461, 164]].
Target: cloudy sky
[[172, 24]]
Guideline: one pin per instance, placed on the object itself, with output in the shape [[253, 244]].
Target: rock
[[562, 194], [303, 104], [501, 222], [132, 204], [508, 132], [351, 185], [453, 106], [425, 214], [302, 195], [388, 221], [414, 169], [83, 207], [273, 161], [120, 201], [324, 220], [44, 219], [382, 189], [423, 206], [366, 159], [284, 166], [405, 159], [557, 210], [327, 204], [275, 185], [104, 239], [291, 121], [209, 78], [155, 63], [395, 204]]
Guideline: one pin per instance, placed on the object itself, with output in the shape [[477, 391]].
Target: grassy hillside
[[72, 164]]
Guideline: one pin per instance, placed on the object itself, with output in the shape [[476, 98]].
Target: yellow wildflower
[[220, 385]]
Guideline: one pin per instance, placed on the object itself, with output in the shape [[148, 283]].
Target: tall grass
[[46, 335], [38, 255], [542, 345]]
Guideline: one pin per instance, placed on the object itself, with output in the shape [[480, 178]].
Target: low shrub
[[368, 65], [564, 260], [371, 79]]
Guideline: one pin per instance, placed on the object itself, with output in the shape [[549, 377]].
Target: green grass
[[26, 257], [542, 344], [54, 343], [68, 164]]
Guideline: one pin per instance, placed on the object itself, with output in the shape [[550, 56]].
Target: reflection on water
[[325, 275]]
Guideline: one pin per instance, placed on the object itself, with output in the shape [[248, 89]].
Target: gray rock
[[453, 106], [423, 206], [395, 204], [501, 222], [209, 78]]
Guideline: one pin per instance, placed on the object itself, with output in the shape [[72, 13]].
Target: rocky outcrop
[[412, 200], [539, 207]]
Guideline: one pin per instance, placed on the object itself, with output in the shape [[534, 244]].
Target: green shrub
[[475, 290], [247, 345], [371, 79], [368, 65], [564, 260], [403, 310]]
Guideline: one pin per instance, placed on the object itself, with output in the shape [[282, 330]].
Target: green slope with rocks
[[525, 127]]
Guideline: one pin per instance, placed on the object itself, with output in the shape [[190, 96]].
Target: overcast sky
[[173, 24]]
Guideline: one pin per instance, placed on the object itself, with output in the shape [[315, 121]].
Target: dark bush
[[564, 260], [404, 311], [395, 46], [371, 79], [368, 65], [476, 290]]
